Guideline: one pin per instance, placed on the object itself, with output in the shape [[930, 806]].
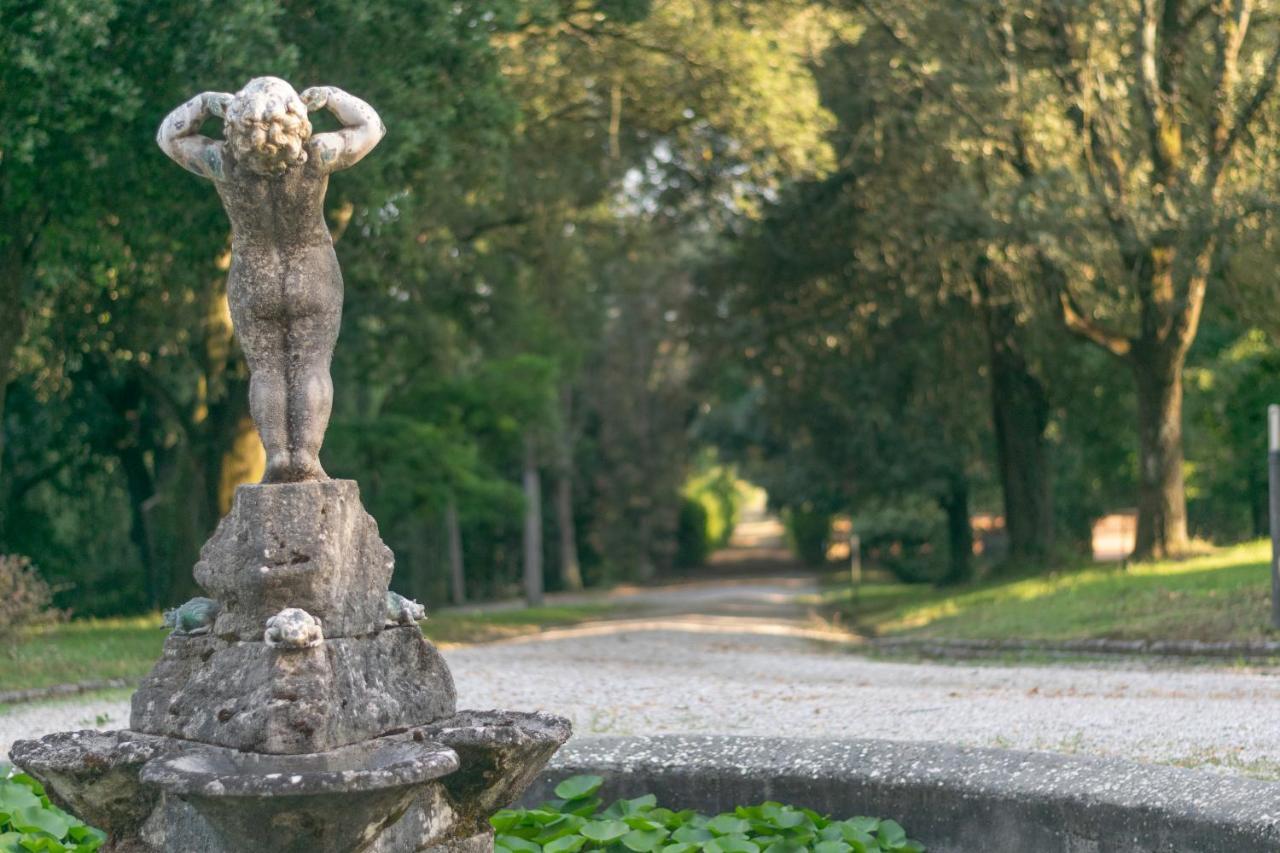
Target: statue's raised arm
[[179, 135], [361, 128]]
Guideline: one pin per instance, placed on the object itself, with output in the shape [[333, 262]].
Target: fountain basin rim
[[217, 772]]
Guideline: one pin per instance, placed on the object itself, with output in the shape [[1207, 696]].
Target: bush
[[721, 494], [808, 532], [25, 598], [907, 538], [693, 538], [574, 822], [28, 821]]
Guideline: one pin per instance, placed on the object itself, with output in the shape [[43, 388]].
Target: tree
[[1131, 167]]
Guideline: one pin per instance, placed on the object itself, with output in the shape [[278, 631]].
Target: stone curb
[[954, 799], [1133, 648], [55, 691]]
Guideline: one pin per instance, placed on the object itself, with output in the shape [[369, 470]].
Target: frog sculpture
[[403, 611], [193, 618]]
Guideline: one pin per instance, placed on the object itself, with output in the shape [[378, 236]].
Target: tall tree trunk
[[955, 503], [533, 588], [457, 575], [1162, 501], [570, 570], [141, 489], [13, 323], [1020, 415]]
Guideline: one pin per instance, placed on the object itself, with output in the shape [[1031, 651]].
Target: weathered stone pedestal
[[345, 737]]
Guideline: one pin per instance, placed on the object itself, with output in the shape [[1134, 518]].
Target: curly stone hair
[[267, 126]]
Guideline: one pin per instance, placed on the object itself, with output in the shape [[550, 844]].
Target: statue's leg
[[262, 339], [268, 405], [310, 350]]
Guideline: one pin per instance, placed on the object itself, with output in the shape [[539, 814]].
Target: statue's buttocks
[[284, 285]]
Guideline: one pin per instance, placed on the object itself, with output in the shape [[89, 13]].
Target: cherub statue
[[284, 287]]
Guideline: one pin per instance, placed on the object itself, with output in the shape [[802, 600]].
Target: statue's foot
[[279, 468], [285, 467]]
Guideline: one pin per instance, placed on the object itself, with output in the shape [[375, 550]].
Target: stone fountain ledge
[[955, 800]]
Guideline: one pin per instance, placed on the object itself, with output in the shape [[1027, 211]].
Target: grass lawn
[[98, 649], [1222, 596]]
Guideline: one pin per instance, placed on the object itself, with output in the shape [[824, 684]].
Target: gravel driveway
[[701, 677]]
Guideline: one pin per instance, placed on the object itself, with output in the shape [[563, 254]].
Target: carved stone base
[[249, 696], [306, 545]]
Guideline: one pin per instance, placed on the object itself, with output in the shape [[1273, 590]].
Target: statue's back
[[283, 211]]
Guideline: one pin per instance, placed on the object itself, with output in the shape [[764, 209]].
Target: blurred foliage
[[25, 597], [830, 240], [515, 255]]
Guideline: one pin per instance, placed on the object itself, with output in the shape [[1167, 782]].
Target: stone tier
[[98, 775], [252, 697], [307, 545]]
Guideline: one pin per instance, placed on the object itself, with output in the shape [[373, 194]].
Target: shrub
[[807, 532], [693, 539], [574, 822], [906, 537], [29, 822], [25, 598]]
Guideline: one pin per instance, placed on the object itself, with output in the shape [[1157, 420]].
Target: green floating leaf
[[577, 787], [891, 834], [731, 844], [692, 834], [832, 847], [516, 844], [680, 847], [567, 844], [727, 824], [639, 805], [40, 819], [584, 807], [787, 846], [604, 831], [505, 819], [644, 840]]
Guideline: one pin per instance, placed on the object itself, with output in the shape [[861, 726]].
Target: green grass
[[84, 650], [99, 649], [1221, 596]]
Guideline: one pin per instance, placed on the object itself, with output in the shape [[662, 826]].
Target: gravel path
[[740, 658], [620, 680]]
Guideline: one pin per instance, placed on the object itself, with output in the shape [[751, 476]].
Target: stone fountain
[[298, 707]]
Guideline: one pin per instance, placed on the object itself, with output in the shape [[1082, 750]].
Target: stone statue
[[284, 286]]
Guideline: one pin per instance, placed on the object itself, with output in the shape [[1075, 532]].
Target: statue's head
[[267, 126]]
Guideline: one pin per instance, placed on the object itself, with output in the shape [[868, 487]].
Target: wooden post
[[855, 563], [1273, 471]]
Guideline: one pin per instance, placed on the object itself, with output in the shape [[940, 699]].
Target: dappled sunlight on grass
[[1220, 596]]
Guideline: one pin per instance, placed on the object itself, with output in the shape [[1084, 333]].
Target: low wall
[[954, 799]]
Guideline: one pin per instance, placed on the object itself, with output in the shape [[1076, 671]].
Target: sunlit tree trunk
[[533, 587], [1162, 502], [570, 571], [453, 532], [242, 462]]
